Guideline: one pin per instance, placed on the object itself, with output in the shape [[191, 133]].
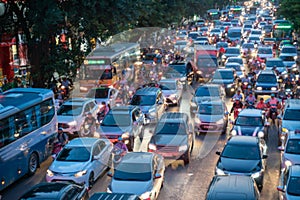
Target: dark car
[[183, 70], [206, 92], [173, 137], [114, 196], [231, 52], [266, 83], [211, 116], [227, 78], [289, 183], [232, 187], [56, 191], [243, 155], [125, 121], [251, 122]]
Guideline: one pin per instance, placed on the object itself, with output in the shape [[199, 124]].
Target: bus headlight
[[288, 163], [85, 89], [219, 171], [256, 174]]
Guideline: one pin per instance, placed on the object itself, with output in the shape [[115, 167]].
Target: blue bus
[[28, 127]]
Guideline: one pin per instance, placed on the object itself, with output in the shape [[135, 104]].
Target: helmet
[[120, 138], [273, 95], [60, 128]]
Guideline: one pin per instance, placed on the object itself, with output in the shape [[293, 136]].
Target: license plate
[[208, 127]]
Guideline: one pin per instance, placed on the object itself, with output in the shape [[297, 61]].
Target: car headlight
[[261, 134], [223, 56], [285, 130], [108, 189], [234, 132], [80, 173], [183, 148], [219, 171], [72, 123], [220, 121], [256, 174], [295, 57], [152, 147], [288, 163], [273, 88], [49, 173], [146, 195], [229, 85], [259, 88], [83, 89]]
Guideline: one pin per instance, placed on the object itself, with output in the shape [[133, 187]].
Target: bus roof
[[112, 50], [18, 99]]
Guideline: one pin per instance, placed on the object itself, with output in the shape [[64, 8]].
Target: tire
[[33, 163], [91, 180], [187, 157]]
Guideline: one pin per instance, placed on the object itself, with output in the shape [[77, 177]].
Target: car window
[[87, 108], [171, 128], [71, 194], [116, 120], [74, 154], [293, 186], [143, 100], [223, 75], [69, 110], [249, 121], [133, 171], [293, 146], [266, 78], [292, 114], [96, 150], [244, 152], [205, 91]]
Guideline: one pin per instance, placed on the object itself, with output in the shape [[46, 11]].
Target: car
[[193, 35], [247, 28], [288, 61], [203, 38], [284, 43], [181, 71], [230, 52], [103, 94], [254, 39], [81, 161], [267, 30], [173, 137], [215, 31], [270, 41], [289, 183], [72, 113], [262, 24], [256, 32], [248, 50], [114, 196], [123, 121], [266, 83], [289, 51], [290, 149], [243, 155], [234, 33], [290, 118], [271, 63], [139, 173], [211, 116], [56, 191], [233, 187], [172, 91], [206, 92], [151, 101], [265, 52], [239, 70], [227, 78], [180, 45], [251, 122]]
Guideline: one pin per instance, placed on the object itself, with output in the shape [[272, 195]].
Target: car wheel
[[186, 158], [91, 180], [33, 163]]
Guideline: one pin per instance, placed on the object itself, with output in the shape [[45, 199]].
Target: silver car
[[171, 90], [81, 161], [139, 173]]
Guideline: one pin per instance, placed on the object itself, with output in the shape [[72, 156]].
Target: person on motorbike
[[237, 105], [272, 103], [289, 85], [90, 121], [104, 109], [281, 93], [121, 145], [238, 95], [261, 104], [247, 92], [62, 137], [66, 84], [250, 100]]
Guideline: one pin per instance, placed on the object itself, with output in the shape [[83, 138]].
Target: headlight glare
[[80, 173], [183, 148], [50, 173]]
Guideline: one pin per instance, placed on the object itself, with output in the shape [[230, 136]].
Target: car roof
[[77, 101], [243, 140], [294, 134], [83, 141], [138, 157], [147, 91], [225, 70], [251, 113], [295, 170], [267, 72], [212, 102], [168, 80], [230, 187], [274, 59]]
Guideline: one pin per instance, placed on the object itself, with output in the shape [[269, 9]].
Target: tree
[[290, 10]]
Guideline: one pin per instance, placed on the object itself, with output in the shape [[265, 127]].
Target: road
[[181, 182]]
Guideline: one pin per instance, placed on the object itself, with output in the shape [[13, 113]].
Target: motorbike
[[236, 112], [117, 155], [57, 146], [87, 130], [273, 112]]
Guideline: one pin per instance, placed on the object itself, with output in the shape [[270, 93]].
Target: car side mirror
[[218, 153], [280, 189], [281, 148], [157, 175], [110, 174], [264, 156]]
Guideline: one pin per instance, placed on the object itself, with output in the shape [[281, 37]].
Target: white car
[[265, 52], [104, 94], [72, 113]]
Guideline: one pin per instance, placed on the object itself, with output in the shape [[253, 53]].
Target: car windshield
[[143, 100], [223, 44], [74, 154], [243, 152], [248, 45], [181, 69], [223, 75], [248, 121], [211, 109], [293, 186], [207, 62], [265, 51], [206, 91], [133, 172], [235, 67], [234, 34], [248, 26], [168, 86], [254, 38], [292, 114], [69, 110], [116, 120], [256, 32], [171, 128], [287, 58], [293, 146], [267, 78], [274, 63], [232, 51], [235, 60], [98, 93], [289, 50]]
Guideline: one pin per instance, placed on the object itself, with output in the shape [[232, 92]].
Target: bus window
[[5, 134], [47, 110]]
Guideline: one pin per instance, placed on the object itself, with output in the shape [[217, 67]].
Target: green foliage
[[290, 10]]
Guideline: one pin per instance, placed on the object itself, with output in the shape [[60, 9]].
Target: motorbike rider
[[271, 103], [66, 83], [91, 121], [281, 93], [62, 137], [261, 104], [237, 105], [250, 100], [104, 109], [121, 145], [238, 95], [289, 85]]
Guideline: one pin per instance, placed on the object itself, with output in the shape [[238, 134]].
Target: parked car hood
[[268, 85], [222, 81], [291, 125], [210, 118], [294, 158], [132, 187], [247, 130], [67, 167], [238, 165], [167, 139]]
